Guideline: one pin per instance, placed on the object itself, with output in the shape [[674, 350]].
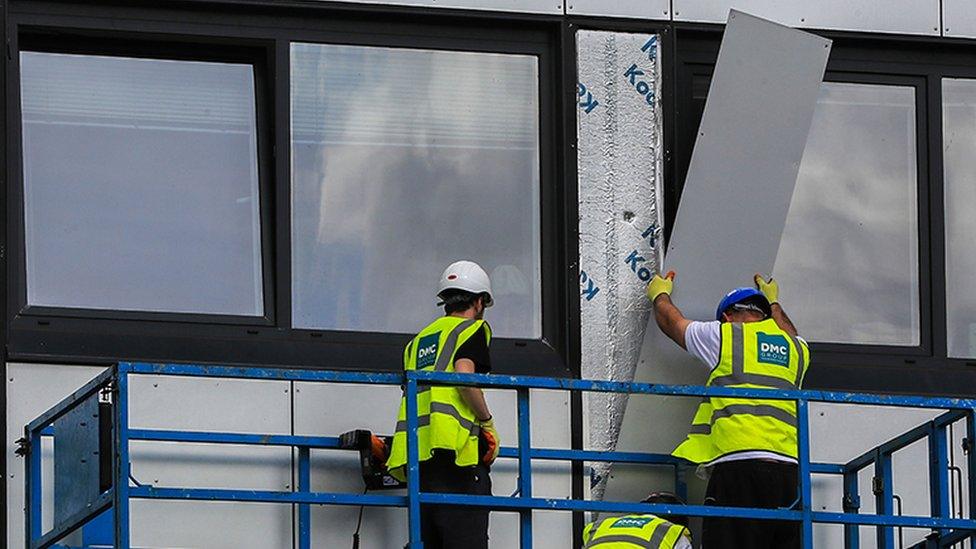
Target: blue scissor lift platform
[[93, 486]]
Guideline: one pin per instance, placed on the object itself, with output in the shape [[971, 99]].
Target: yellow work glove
[[769, 288], [491, 437], [658, 286]]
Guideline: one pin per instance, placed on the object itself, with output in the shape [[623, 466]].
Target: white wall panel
[[32, 389], [646, 9], [524, 6], [330, 410], [889, 16], [229, 405], [959, 18], [173, 403]]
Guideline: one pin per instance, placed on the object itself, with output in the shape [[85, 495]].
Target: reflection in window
[[848, 260], [404, 161], [140, 184], [959, 141]]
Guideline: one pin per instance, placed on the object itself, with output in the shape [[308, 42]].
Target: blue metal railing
[[117, 498]]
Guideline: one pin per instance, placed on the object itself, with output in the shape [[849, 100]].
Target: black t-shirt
[[476, 350]]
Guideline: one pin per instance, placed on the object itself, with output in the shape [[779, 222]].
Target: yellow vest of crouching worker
[[445, 421], [644, 531], [756, 355]]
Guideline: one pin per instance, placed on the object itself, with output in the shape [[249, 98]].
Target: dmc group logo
[[773, 349], [427, 350], [631, 522]]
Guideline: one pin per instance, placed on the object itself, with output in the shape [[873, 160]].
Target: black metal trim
[[4, 55], [567, 97]]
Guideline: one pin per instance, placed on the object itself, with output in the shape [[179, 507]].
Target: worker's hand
[[659, 286], [769, 288], [491, 437], [378, 448]]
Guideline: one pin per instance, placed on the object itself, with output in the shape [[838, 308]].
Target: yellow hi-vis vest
[[445, 421], [757, 355], [628, 532]]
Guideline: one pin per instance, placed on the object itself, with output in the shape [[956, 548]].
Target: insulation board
[[619, 129]]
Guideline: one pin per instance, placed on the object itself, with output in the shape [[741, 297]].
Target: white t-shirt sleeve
[[704, 341], [682, 543]]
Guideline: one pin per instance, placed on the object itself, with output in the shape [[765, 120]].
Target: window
[[403, 161], [141, 186], [848, 259], [959, 142]]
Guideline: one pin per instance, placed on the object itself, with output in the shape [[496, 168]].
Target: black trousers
[[751, 483], [453, 527]]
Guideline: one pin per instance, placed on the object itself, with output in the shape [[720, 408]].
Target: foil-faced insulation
[[620, 214]]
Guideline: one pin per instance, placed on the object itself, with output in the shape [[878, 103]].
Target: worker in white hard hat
[[456, 435]]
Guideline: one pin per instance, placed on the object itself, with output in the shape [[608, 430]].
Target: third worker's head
[[668, 498]]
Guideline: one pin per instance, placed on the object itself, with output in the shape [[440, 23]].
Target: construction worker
[[643, 531], [748, 446], [456, 435]]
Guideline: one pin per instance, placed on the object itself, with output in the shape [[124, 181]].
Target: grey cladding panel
[[733, 207], [746, 159], [647, 9], [887, 16], [959, 18]]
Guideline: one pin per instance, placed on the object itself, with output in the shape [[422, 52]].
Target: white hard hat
[[467, 276]]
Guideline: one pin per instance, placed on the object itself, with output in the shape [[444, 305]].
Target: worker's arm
[[670, 320], [783, 321], [668, 316], [472, 395], [770, 288]]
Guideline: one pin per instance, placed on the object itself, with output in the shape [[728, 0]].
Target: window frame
[[33, 41], [103, 336]]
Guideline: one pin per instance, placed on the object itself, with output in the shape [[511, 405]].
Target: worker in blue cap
[[748, 446]]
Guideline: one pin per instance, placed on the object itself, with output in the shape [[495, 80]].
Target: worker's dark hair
[[672, 499], [458, 300]]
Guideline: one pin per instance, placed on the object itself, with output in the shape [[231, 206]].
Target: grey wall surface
[[646, 9], [950, 18], [959, 18], [269, 407], [889, 16]]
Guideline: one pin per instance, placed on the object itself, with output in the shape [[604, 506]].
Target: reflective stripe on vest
[[606, 535], [444, 419], [723, 426], [440, 408]]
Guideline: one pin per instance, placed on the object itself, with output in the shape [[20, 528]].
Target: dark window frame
[[101, 337], [40, 40], [891, 60]]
